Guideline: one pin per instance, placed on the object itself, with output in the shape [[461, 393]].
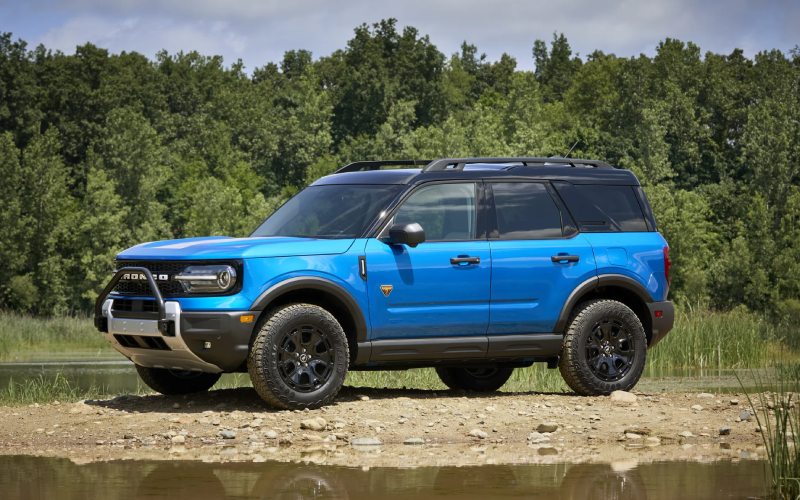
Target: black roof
[[576, 171]]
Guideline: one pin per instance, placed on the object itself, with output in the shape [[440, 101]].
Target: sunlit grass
[[533, 378], [773, 402], [43, 389], [25, 337], [703, 339]]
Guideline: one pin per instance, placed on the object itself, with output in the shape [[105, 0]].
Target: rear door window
[[603, 208], [525, 211]]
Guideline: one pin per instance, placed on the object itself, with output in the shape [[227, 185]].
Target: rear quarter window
[[603, 208]]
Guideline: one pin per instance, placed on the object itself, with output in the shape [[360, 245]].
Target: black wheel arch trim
[[617, 280], [317, 284]]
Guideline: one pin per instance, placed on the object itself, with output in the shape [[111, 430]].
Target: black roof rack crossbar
[[358, 166], [460, 163]]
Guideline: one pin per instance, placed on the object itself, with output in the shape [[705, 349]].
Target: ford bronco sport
[[474, 266]]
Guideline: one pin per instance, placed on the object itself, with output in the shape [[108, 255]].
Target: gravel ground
[[391, 427]]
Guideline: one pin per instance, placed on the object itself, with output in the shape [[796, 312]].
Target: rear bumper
[[662, 318]]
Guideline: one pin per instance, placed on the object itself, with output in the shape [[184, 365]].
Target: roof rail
[[460, 163], [358, 166]]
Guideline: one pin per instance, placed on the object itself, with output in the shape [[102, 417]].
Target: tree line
[[101, 151]]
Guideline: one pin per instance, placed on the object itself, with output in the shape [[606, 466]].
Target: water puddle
[[48, 478]]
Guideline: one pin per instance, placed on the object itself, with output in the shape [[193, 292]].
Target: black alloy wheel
[[305, 358], [610, 350]]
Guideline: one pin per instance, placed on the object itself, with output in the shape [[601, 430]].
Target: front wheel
[[171, 382], [478, 379], [604, 349], [299, 358]]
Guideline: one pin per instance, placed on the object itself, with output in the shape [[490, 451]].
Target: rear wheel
[[604, 349], [170, 382], [299, 358], [479, 378]]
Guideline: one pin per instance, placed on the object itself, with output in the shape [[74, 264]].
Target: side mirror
[[406, 234]]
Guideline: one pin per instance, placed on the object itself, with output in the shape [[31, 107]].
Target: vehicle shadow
[[246, 399]]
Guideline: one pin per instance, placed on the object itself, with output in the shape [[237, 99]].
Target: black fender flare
[[318, 284], [616, 280]]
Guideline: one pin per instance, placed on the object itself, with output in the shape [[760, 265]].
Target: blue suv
[[474, 266]]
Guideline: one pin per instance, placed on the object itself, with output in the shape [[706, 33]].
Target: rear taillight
[[667, 263]]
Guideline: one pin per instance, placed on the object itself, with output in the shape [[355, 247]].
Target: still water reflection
[[52, 478]]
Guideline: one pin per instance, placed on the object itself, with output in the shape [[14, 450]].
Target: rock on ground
[[478, 434], [314, 424], [623, 397], [546, 427], [365, 441]]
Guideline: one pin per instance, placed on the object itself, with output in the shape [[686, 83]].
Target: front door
[[441, 287]]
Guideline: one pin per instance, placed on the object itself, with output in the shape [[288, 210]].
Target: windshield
[[329, 211]]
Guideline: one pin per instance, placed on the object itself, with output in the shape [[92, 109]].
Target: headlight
[[207, 279]]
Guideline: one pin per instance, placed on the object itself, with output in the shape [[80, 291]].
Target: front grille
[[134, 305], [168, 288]]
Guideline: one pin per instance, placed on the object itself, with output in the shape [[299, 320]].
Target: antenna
[[570, 149]]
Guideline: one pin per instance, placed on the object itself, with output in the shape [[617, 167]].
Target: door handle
[[464, 259], [564, 258]]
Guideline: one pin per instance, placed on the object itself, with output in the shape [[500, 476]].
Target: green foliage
[[683, 220], [556, 67], [21, 292], [101, 151]]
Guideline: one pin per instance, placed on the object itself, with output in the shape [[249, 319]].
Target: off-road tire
[[262, 362], [477, 379], [573, 363], [172, 382]]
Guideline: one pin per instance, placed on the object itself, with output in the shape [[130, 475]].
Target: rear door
[[616, 220], [441, 287], [538, 257]]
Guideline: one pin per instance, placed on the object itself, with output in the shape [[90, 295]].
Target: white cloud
[[260, 31], [146, 35]]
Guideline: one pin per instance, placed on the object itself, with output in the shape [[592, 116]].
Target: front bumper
[[207, 341], [662, 318]]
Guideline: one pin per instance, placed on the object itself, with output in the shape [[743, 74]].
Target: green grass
[[45, 390], [706, 339], [27, 337], [534, 378], [774, 404]]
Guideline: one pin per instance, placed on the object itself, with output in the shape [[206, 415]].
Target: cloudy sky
[[258, 31]]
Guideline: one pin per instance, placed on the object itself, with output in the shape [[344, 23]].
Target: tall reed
[[23, 336], [709, 339], [777, 411]]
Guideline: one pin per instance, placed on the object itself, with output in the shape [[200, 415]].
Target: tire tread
[[269, 386], [574, 373]]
